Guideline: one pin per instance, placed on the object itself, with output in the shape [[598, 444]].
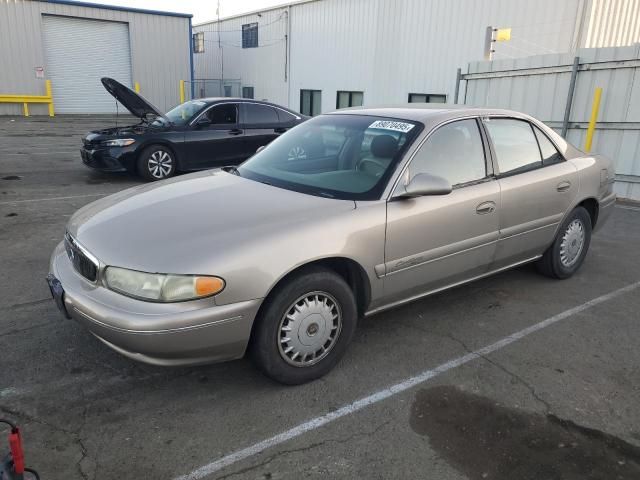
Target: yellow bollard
[[182, 96], [594, 117], [47, 86], [25, 109], [136, 87]]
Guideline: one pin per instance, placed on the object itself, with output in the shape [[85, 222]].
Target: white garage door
[[78, 53]]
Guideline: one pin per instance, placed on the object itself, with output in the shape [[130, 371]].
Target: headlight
[[156, 287], [118, 142]]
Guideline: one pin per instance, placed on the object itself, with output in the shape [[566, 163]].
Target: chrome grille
[[82, 262]]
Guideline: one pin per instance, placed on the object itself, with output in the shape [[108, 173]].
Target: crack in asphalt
[[75, 435], [306, 448], [522, 381]]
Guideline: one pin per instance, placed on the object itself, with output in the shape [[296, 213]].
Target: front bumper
[[109, 159], [169, 334]]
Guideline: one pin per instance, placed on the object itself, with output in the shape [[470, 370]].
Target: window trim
[[198, 41], [428, 95], [222, 126], [238, 102], [488, 159], [532, 125], [252, 92], [258, 126], [562, 159], [310, 100], [250, 26], [350, 92]]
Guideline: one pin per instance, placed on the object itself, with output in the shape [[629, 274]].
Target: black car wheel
[[156, 163], [304, 327], [564, 257]]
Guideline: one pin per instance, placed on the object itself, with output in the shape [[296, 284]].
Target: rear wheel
[[305, 327], [156, 163], [565, 256]]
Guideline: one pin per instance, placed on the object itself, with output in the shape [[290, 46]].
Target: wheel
[[564, 257], [304, 327], [156, 163]]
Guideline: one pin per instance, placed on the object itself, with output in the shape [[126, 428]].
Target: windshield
[[348, 157], [184, 112]]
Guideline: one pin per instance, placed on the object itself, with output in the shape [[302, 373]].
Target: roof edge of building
[[255, 12], [74, 3]]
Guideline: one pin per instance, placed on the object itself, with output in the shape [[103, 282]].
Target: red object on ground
[[15, 444]]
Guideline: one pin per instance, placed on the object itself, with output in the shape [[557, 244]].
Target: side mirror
[[203, 121], [424, 184], [260, 148]]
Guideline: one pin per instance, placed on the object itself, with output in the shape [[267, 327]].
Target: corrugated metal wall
[[613, 23], [385, 48], [262, 68], [539, 85], [160, 50]]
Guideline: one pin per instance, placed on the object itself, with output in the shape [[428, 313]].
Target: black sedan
[[198, 134]]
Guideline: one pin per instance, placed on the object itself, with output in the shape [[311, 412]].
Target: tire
[[562, 259], [319, 294], [156, 162]]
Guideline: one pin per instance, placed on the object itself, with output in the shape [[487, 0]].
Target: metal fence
[[213, 87], [558, 89]]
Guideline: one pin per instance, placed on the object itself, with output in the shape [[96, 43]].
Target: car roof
[[427, 112]]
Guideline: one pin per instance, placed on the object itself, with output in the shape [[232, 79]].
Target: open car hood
[[132, 101]]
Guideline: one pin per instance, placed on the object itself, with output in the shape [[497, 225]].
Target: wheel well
[[591, 205], [166, 145], [350, 270]]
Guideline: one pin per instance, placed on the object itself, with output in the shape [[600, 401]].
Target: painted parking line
[[49, 199], [393, 390]]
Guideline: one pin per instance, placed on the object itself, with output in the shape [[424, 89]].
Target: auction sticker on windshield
[[391, 125]]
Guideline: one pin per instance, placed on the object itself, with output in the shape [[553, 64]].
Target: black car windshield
[[184, 112], [348, 157]]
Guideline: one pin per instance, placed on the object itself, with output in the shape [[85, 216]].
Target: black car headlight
[[118, 142]]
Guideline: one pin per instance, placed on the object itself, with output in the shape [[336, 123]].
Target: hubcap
[[309, 329], [572, 243], [160, 164], [297, 153]]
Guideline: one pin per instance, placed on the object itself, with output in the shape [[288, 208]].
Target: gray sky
[[202, 10]]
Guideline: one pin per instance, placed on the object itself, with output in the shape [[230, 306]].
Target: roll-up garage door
[[78, 52]]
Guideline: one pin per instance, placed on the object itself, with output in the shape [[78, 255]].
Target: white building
[[74, 44], [316, 55]]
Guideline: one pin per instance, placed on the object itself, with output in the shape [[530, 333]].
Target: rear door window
[[259, 115], [285, 117], [515, 145]]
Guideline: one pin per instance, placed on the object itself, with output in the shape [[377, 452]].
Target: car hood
[[132, 101], [178, 225]]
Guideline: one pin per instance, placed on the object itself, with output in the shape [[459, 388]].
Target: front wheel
[[304, 327], [564, 257], [156, 163]]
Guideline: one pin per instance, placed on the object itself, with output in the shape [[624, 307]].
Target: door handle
[[485, 207], [279, 130], [235, 131], [563, 186]]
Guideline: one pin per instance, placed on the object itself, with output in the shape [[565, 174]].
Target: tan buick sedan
[[345, 215]]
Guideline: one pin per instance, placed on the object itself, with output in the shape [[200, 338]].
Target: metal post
[[25, 109], [458, 79], [594, 117], [572, 87], [136, 87], [47, 86], [181, 91]]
